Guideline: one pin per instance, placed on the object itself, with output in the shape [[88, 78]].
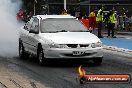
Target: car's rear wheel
[[40, 55], [22, 53], [98, 61]]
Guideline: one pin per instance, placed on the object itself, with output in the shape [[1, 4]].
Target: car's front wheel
[[40, 55], [98, 61]]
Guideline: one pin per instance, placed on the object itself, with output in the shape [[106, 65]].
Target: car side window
[[35, 25]]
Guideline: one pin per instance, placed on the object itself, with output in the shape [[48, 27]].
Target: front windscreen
[[62, 25]]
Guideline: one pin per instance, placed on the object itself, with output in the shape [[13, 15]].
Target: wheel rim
[[40, 57]]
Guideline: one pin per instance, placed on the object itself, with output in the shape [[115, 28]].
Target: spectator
[[20, 14], [92, 20], [111, 24], [99, 20]]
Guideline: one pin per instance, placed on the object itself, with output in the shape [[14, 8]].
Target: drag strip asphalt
[[63, 74]]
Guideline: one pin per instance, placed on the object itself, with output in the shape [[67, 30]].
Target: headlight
[[93, 45], [58, 46], [98, 44]]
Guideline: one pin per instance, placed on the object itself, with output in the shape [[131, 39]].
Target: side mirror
[[32, 31]]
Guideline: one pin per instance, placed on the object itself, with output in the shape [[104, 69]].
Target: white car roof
[[53, 16]]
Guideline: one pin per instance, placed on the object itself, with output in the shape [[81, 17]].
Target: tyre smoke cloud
[[9, 27]]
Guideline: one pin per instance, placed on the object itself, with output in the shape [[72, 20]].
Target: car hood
[[70, 37]]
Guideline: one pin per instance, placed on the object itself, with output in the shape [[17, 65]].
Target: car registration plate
[[78, 52]]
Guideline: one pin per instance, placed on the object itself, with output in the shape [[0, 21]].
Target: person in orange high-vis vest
[[92, 20]]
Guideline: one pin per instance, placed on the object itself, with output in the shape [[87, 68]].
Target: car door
[[25, 33], [33, 36]]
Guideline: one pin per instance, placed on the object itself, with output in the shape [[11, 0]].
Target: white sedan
[[58, 37]]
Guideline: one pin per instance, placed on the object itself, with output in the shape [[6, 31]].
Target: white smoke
[[9, 27]]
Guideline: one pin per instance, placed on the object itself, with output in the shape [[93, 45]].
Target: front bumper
[[68, 53]]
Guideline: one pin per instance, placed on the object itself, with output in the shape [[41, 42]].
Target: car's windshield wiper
[[68, 31], [56, 31], [80, 31], [62, 31], [59, 31]]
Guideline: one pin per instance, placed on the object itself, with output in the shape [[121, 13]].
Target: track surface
[[63, 74]]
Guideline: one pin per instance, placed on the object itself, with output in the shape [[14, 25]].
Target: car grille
[[72, 45], [77, 45]]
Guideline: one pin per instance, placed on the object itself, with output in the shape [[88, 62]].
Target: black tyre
[[22, 53], [98, 61], [40, 55]]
